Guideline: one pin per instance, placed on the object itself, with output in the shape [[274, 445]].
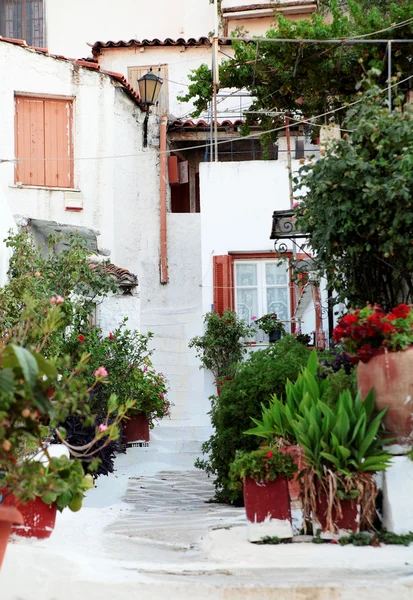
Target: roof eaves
[[156, 42], [86, 64]]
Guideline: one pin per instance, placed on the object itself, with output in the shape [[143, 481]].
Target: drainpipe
[[162, 202]]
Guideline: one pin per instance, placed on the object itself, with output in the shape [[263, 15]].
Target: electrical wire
[[305, 121]]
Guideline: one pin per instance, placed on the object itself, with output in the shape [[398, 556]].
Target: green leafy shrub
[[263, 374], [126, 356], [264, 464], [221, 347], [337, 382], [276, 424]]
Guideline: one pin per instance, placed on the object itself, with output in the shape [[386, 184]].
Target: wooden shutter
[[223, 283], [58, 143], [29, 132], [43, 142]]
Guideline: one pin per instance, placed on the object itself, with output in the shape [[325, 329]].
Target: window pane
[[247, 304], [246, 274], [277, 302], [276, 274]]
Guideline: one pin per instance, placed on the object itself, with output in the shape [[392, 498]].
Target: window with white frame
[[262, 287]]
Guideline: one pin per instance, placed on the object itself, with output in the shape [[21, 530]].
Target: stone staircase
[[172, 447]]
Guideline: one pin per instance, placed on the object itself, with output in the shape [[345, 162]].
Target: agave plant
[[276, 424], [343, 447]]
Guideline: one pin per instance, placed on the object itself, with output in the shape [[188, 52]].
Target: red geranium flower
[[401, 311], [81, 337], [269, 454], [111, 336], [349, 320]]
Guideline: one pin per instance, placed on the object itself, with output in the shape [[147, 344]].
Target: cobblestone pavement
[[172, 510]]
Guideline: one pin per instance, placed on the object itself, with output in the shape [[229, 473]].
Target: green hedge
[[263, 374]]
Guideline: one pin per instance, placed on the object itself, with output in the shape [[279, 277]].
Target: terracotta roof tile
[[123, 277], [84, 63], [178, 124], [202, 41]]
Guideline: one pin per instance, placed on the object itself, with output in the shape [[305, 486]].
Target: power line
[[304, 121]]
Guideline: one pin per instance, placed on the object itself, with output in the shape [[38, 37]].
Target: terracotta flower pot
[[348, 523], [38, 518], [136, 429], [298, 456], [391, 376], [9, 515], [266, 499]]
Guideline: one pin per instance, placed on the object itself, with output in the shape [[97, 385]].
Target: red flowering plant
[[364, 332], [262, 465]]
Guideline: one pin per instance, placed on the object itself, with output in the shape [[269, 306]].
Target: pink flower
[[295, 204], [253, 318], [59, 300], [101, 372], [52, 300], [102, 428], [161, 396]]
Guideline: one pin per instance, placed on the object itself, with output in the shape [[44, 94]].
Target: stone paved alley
[[162, 539]]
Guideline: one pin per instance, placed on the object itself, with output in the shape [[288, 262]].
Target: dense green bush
[[263, 374]]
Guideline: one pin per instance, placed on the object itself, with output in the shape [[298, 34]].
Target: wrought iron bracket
[[284, 228]]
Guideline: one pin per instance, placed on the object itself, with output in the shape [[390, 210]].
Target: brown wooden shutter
[[43, 142], [58, 143], [30, 141], [223, 283]]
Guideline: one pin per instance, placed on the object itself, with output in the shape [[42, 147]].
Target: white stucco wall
[[99, 107], [115, 308], [237, 202], [7, 223], [180, 63], [73, 23]]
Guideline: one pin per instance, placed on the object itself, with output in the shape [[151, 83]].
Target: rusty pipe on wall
[[162, 202]]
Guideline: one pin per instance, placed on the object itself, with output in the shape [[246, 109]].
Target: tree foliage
[[357, 206], [309, 79]]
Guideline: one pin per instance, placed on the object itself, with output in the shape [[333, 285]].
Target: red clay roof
[[190, 42], [178, 124], [85, 63], [123, 277]]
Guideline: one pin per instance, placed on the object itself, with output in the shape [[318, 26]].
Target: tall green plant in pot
[[277, 418], [343, 448], [221, 347]]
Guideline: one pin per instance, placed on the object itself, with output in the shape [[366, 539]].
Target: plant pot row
[[268, 506]]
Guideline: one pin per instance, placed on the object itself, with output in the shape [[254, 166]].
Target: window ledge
[[43, 187]]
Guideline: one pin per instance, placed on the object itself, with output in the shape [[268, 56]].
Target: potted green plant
[[264, 475], [221, 348], [34, 396], [149, 391], [271, 325], [276, 424], [343, 449], [126, 355], [383, 344]]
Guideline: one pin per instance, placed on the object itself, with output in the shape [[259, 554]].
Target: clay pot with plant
[[34, 397], [343, 448], [264, 475], [221, 348], [276, 424], [271, 325], [382, 343]]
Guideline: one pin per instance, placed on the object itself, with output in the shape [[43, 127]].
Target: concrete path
[[167, 541]]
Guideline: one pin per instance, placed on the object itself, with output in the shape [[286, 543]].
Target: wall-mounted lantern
[[149, 89]]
